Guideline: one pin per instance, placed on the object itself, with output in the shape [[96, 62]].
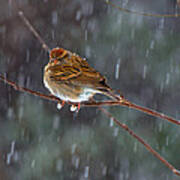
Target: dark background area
[[37, 141]]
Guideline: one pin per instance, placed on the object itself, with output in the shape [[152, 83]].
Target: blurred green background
[[138, 55]]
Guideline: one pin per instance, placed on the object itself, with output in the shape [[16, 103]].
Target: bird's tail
[[113, 96]]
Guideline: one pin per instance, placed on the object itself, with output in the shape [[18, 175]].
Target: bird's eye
[[59, 52]]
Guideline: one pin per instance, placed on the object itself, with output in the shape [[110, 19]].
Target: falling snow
[[138, 55]]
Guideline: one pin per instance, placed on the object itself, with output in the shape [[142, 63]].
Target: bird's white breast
[[85, 95]]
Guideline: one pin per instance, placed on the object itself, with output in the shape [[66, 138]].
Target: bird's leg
[[60, 104], [76, 107], [63, 103], [79, 106]]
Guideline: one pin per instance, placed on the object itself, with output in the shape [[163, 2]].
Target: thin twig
[[29, 91], [129, 104], [44, 45], [146, 145], [124, 102], [141, 13]]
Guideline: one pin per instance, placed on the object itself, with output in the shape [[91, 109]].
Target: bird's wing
[[64, 72], [89, 77], [78, 72]]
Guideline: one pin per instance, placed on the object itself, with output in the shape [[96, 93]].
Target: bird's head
[[57, 54]]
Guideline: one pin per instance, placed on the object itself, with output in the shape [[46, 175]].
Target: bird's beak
[[54, 60]]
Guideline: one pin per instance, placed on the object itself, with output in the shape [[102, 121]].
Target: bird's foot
[[60, 105], [75, 108]]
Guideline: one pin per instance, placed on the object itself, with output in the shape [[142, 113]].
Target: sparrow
[[70, 78]]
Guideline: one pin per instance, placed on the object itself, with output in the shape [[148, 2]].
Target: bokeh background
[[138, 55]]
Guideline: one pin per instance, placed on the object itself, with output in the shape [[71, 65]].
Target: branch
[[36, 34], [146, 145], [108, 103], [124, 102], [135, 106], [141, 13]]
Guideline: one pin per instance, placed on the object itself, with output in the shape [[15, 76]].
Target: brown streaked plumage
[[69, 77]]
